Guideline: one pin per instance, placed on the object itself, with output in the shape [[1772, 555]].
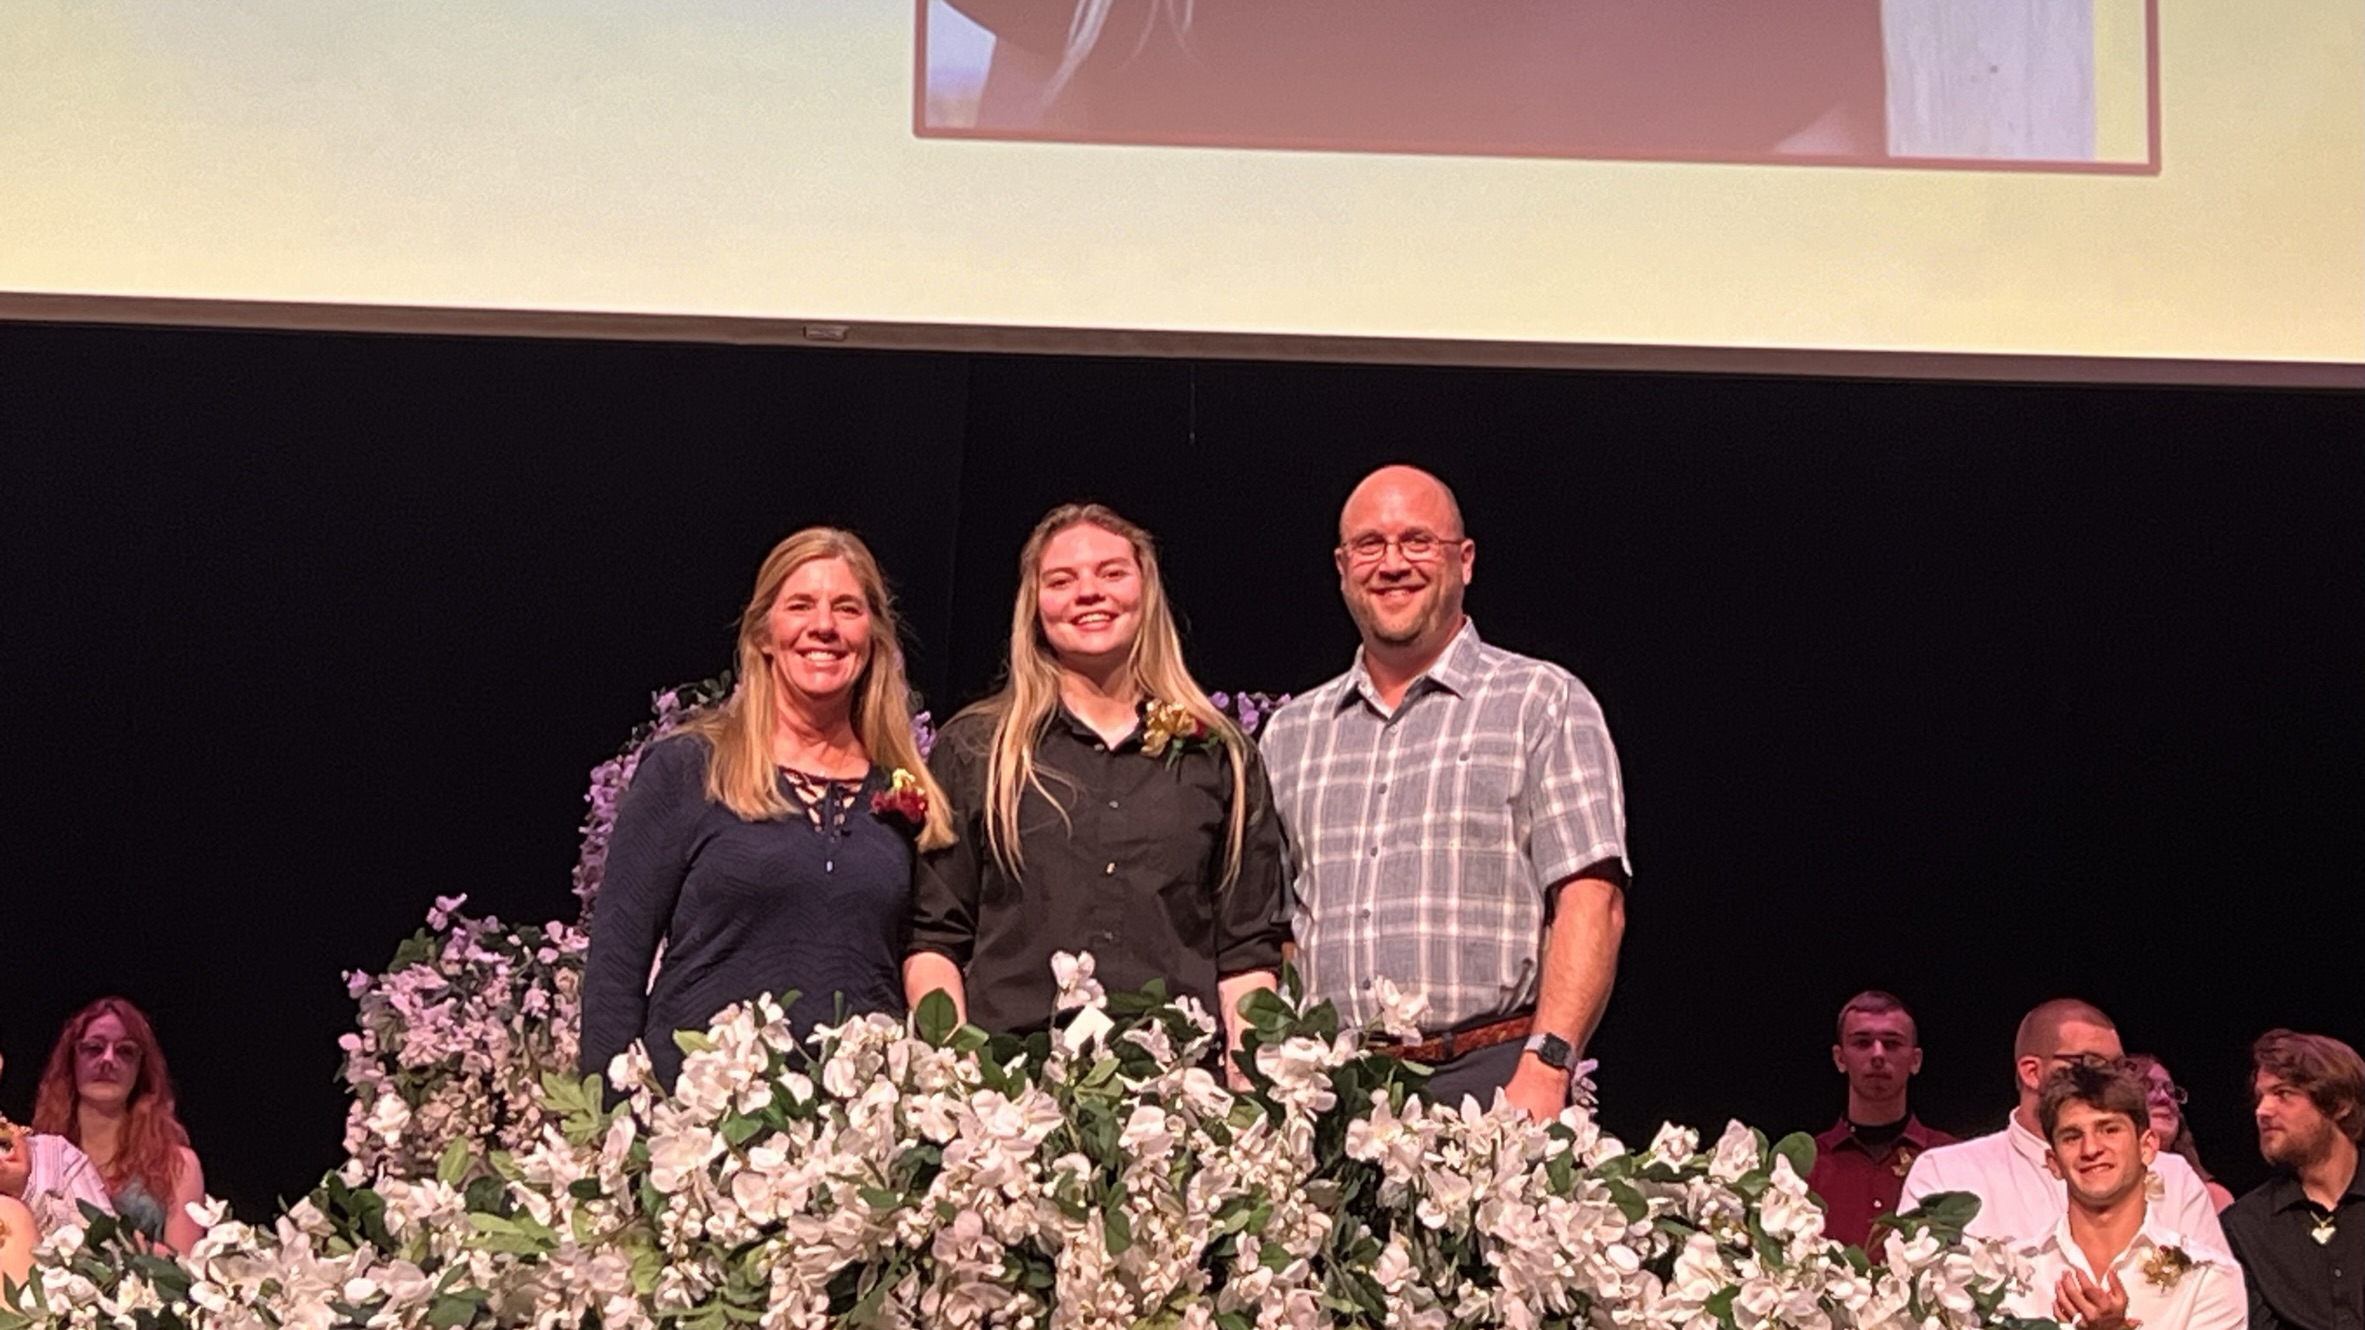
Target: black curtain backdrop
[[1979, 693]]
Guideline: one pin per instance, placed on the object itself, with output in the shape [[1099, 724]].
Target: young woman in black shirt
[[1101, 804]]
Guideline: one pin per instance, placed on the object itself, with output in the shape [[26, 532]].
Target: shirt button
[[1110, 871], [1383, 787], [1367, 912], [1112, 803], [1375, 851], [1367, 985]]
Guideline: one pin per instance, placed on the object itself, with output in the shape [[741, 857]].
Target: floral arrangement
[[908, 1173], [455, 1038]]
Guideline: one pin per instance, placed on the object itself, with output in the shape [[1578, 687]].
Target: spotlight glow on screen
[[2119, 185]]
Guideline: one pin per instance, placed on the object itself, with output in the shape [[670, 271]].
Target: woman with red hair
[[106, 1090]]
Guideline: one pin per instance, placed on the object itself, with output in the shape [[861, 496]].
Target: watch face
[[1551, 1050]]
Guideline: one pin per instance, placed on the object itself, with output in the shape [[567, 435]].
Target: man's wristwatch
[[1553, 1051]]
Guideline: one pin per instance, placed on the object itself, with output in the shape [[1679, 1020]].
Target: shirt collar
[[1914, 1134], [2027, 1144], [2289, 1194], [1456, 671], [2154, 1235], [1074, 724]]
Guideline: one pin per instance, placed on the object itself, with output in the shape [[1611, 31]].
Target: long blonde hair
[[741, 775], [1022, 709]]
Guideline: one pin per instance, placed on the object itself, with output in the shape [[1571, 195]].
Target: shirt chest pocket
[[1481, 786]]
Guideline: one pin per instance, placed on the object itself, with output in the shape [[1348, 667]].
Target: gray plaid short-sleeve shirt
[[1422, 839]]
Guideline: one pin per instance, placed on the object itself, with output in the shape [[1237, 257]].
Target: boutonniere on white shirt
[[2165, 1266]]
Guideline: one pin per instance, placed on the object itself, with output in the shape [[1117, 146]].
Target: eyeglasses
[[1415, 546], [2174, 1094], [124, 1050]]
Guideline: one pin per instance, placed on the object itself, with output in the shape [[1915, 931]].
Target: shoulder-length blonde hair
[[741, 775], [1022, 709]]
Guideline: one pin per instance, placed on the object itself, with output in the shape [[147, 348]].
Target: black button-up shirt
[[2295, 1281], [1128, 866]]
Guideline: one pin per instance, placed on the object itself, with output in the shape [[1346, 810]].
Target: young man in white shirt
[[2114, 1261], [2020, 1201]]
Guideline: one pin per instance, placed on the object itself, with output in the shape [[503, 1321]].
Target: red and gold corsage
[[903, 798], [1168, 729]]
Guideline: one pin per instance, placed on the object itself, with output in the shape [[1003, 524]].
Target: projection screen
[[2108, 189]]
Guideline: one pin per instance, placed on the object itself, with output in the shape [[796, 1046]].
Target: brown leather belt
[[1454, 1043]]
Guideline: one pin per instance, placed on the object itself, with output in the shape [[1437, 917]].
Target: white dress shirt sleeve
[[2185, 1205]]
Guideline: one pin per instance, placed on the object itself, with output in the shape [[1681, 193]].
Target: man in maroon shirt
[[1860, 1164]]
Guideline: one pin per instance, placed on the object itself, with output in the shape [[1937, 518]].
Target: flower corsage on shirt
[[2165, 1266], [1168, 729], [904, 800]]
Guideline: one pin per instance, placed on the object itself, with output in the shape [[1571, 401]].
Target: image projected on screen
[[2042, 84]]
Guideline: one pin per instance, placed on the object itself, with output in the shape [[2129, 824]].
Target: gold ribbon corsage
[[2165, 1266], [1169, 728]]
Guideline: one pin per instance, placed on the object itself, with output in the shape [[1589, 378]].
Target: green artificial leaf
[[1267, 1012], [585, 1189], [690, 1041], [1627, 1199], [417, 949], [1799, 1149], [739, 1130], [1116, 1230], [451, 1311], [935, 1018], [881, 1199], [454, 1164]]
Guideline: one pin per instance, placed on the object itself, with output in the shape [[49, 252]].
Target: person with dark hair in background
[[2168, 1125], [1456, 816], [49, 1175], [2301, 1236], [2020, 1200], [2113, 1262], [1677, 78], [768, 844], [1102, 804], [107, 1091], [1861, 1162]]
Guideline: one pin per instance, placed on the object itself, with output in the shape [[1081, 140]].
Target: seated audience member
[[18, 1235], [106, 1090], [2019, 1198], [2301, 1237], [2113, 1260], [1860, 1163], [49, 1175], [2169, 1129]]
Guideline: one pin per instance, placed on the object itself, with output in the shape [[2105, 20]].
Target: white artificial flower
[[1077, 988], [1398, 1012], [1735, 1156], [1086, 1030]]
